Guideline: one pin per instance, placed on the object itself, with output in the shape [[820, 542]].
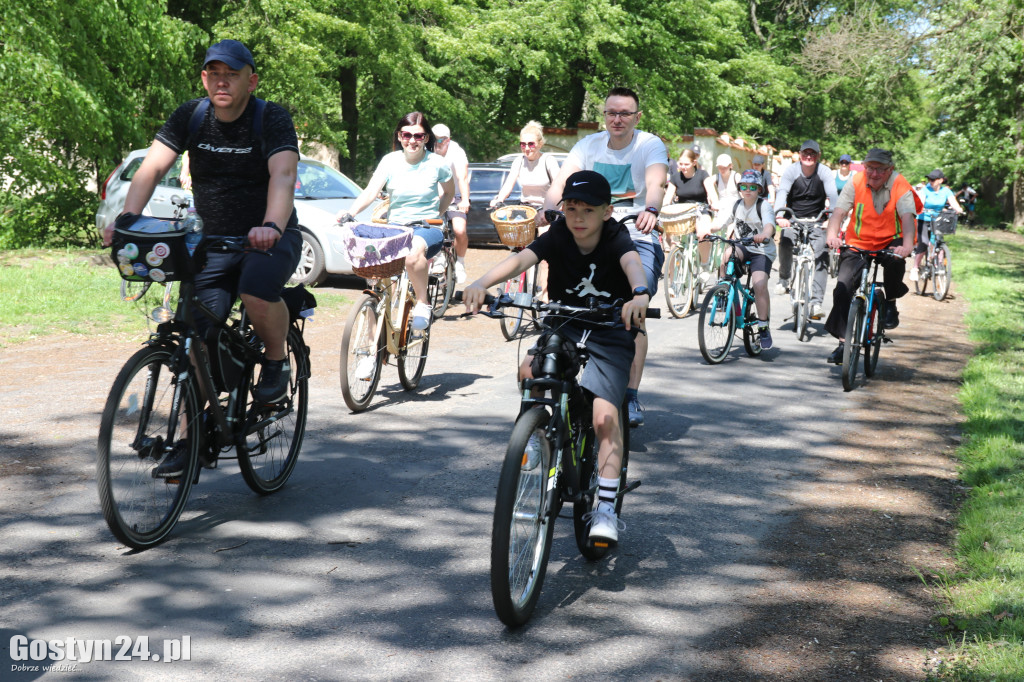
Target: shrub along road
[[778, 533]]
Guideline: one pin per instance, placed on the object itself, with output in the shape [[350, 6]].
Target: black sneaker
[[273, 384], [837, 355], [174, 463], [892, 316]]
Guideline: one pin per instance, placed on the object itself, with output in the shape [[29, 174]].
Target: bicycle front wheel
[[803, 306], [678, 282], [873, 334], [523, 525], [412, 358], [441, 286], [717, 324], [361, 354], [274, 433], [942, 272], [854, 337], [513, 317], [140, 509], [921, 283]]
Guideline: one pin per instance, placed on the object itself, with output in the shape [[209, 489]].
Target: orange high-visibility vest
[[868, 229]]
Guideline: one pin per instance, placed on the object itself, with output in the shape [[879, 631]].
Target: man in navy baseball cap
[[231, 52], [587, 186]]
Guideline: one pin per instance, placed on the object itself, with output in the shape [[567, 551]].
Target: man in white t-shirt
[[635, 164], [453, 152]]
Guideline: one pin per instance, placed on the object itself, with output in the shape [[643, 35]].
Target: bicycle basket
[[151, 250], [679, 219], [376, 251], [945, 222], [516, 225]]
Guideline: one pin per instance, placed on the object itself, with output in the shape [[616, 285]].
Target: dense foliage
[[83, 83]]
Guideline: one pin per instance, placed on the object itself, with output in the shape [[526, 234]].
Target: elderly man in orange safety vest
[[884, 208]]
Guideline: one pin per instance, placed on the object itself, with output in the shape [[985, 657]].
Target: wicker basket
[[376, 251], [380, 212], [516, 225], [679, 219], [380, 270]]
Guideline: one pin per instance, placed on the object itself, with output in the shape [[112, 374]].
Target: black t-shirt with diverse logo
[[573, 276], [228, 163]]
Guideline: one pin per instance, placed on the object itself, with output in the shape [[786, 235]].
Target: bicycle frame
[[392, 294], [739, 294]]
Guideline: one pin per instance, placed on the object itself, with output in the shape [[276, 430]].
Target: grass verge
[[44, 291], [986, 596]]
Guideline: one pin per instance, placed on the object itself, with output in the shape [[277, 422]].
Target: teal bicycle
[[729, 305]]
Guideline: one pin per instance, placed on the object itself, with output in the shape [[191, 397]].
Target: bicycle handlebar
[[825, 212], [883, 255], [611, 312]]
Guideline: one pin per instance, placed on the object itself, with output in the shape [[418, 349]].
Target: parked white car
[[320, 192]]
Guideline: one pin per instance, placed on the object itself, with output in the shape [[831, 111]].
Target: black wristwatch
[[642, 291], [271, 223]]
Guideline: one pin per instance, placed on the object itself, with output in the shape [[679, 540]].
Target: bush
[[64, 216]]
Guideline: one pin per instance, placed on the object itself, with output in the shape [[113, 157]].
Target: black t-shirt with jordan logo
[[228, 166], [573, 276]]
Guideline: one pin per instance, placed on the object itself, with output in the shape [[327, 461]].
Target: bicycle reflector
[[162, 314]]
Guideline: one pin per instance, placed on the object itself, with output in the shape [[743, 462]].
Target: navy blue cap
[[845, 157], [812, 145], [231, 52], [587, 186]]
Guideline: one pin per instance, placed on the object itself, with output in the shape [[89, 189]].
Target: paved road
[[373, 562]]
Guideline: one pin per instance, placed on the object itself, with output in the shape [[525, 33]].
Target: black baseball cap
[[812, 145], [231, 52], [879, 155], [936, 174], [587, 186]]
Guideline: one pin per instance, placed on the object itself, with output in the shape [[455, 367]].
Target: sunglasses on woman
[[527, 145], [749, 188], [406, 136]]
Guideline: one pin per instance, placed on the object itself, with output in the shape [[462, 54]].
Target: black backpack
[[199, 113]]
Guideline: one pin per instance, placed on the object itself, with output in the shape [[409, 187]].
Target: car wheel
[[310, 270]]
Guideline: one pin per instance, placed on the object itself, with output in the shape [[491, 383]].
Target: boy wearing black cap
[[589, 255], [244, 165]]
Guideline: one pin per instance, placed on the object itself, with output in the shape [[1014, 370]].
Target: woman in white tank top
[[533, 170]]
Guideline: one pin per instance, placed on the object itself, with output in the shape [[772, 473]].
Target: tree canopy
[[83, 84]]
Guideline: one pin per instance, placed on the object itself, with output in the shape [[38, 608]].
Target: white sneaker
[[460, 272], [782, 287], [915, 274], [816, 313], [437, 264], [532, 453], [421, 315], [365, 367], [604, 524]]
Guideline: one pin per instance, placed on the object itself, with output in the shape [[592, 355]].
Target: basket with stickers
[[376, 251], [149, 249], [516, 225], [679, 219]]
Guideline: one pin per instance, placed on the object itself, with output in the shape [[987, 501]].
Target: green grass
[[986, 597], [72, 291]]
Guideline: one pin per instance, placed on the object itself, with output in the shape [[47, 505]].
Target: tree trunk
[[347, 80]]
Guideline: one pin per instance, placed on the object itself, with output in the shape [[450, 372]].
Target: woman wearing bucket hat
[[935, 195]]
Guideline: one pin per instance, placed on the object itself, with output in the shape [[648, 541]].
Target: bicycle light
[[162, 314]]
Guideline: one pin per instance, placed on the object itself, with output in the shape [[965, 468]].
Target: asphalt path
[[373, 562]]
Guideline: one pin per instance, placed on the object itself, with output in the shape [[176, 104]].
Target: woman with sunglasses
[[533, 170], [411, 175]]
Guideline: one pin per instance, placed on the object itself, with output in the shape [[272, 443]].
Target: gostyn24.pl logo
[[73, 650]]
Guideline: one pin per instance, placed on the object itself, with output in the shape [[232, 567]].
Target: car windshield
[[317, 181], [486, 181]]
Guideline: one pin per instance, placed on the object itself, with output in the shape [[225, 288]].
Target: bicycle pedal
[[886, 339], [629, 488]]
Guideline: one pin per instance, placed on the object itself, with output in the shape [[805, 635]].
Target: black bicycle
[[560, 468], [865, 326], [156, 406]]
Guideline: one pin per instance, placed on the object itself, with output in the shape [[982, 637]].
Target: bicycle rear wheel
[[942, 272], [412, 358], [751, 336], [852, 347], [274, 433], [139, 509], [513, 317], [717, 324], [679, 282], [362, 354], [873, 335], [523, 525]]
